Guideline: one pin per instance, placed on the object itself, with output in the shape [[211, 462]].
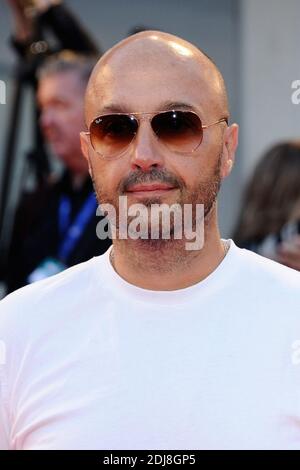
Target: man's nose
[[146, 152]]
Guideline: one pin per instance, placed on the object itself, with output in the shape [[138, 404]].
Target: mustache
[[155, 175]]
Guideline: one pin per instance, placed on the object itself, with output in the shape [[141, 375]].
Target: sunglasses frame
[[140, 116]]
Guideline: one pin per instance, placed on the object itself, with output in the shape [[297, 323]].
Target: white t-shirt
[[90, 361]]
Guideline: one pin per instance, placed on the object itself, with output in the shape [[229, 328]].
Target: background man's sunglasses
[[180, 131]]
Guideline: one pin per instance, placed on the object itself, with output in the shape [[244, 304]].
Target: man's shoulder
[[267, 273], [50, 297]]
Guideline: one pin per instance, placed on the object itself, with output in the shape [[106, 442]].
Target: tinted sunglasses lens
[[111, 134], [179, 130]]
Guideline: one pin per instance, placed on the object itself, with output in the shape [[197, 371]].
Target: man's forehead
[[61, 82], [145, 96]]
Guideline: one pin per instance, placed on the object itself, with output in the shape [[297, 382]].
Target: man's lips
[[150, 187]]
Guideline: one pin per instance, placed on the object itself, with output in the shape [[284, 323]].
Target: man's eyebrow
[[169, 105], [166, 106], [113, 108]]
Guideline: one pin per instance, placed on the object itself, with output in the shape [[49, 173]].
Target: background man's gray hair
[[68, 61]]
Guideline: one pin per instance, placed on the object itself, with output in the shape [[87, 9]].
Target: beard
[[205, 193]]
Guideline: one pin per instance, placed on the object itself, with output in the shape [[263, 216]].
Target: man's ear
[[84, 144], [230, 144]]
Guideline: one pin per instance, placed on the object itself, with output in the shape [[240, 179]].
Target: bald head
[[150, 69]]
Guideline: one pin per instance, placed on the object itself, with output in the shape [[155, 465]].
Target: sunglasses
[[180, 131]]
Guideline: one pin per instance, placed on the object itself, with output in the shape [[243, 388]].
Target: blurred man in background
[[55, 226]]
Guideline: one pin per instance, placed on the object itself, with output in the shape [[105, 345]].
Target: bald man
[[173, 339]]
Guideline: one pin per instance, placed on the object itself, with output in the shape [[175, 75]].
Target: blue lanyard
[[72, 233], [64, 214]]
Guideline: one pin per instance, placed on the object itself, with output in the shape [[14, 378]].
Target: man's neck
[[167, 266]]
